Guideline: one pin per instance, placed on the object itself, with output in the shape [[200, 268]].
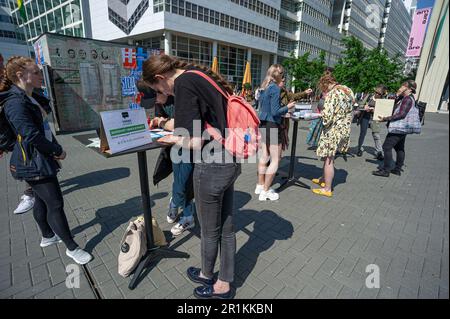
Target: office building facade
[[69, 17], [234, 31], [396, 28], [12, 40], [306, 26]]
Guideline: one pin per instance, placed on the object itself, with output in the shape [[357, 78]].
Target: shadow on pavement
[[111, 217], [94, 179]]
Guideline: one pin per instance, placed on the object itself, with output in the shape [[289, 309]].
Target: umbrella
[[247, 78], [215, 66]]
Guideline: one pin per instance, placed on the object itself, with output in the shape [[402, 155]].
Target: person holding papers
[[396, 138], [366, 121]]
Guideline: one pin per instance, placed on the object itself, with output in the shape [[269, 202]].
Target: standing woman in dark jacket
[[403, 104], [36, 153]]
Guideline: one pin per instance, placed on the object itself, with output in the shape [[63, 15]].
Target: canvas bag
[[134, 245], [411, 124], [242, 124]]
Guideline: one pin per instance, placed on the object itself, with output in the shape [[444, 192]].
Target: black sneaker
[[396, 171], [380, 156], [381, 172], [359, 153]]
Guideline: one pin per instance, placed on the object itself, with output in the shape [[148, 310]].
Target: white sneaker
[[259, 189], [79, 255], [269, 195], [45, 242], [182, 225], [26, 203]]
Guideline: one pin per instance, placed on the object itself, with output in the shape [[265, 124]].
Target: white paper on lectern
[[125, 129], [383, 108]]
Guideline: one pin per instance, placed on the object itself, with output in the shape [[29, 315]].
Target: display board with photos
[[89, 76]]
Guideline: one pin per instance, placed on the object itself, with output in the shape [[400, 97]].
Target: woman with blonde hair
[[335, 137], [271, 112]]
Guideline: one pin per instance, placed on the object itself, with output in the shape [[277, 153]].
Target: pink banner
[[418, 29]]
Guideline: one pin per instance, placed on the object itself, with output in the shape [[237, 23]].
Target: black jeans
[[397, 142], [214, 191], [48, 210]]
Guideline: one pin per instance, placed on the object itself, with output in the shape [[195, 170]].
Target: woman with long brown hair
[[335, 137], [197, 101], [36, 153]]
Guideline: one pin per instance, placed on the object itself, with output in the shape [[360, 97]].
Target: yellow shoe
[[320, 191], [317, 181]]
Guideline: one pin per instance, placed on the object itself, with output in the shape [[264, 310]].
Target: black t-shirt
[[197, 99]]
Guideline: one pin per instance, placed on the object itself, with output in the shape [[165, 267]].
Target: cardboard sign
[[123, 129], [383, 108]]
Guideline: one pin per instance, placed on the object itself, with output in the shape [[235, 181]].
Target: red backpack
[[242, 135]]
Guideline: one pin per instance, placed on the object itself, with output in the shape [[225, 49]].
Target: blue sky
[[425, 3]]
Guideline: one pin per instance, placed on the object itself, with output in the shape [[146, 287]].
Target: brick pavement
[[302, 246]]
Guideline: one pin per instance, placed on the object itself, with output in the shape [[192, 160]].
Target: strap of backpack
[[211, 81], [211, 130]]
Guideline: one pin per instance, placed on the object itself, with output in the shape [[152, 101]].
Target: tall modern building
[[235, 31], [306, 26], [362, 19], [69, 17], [12, 40], [397, 24], [377, 23]]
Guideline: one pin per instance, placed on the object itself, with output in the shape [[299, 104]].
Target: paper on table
[[383, 108], [157, 133]]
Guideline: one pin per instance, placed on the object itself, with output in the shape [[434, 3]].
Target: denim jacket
[[270, 108]]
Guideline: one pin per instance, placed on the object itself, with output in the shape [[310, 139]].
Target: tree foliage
[[305, 73], [362, 69]]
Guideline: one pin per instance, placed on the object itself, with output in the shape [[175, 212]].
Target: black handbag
[[163, 166]]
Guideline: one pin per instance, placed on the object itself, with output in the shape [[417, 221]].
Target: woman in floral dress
[[335, 137]]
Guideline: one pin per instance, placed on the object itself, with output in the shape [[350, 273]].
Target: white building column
[[249, 55], [167, 42]]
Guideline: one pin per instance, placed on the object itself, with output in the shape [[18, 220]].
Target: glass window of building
[[192, 50], [232, 63], [34, 8], [58, 20], [78, 30], [256, 70], [51, 21]]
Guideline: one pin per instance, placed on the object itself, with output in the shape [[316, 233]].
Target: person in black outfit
[[403, 104], [36, 154], [197, 102]]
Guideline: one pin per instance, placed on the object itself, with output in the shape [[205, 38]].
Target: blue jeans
[[181, 174]]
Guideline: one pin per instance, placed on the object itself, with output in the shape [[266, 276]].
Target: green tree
[[350, 66], [362, 69], [381, 69], [305, 73]]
